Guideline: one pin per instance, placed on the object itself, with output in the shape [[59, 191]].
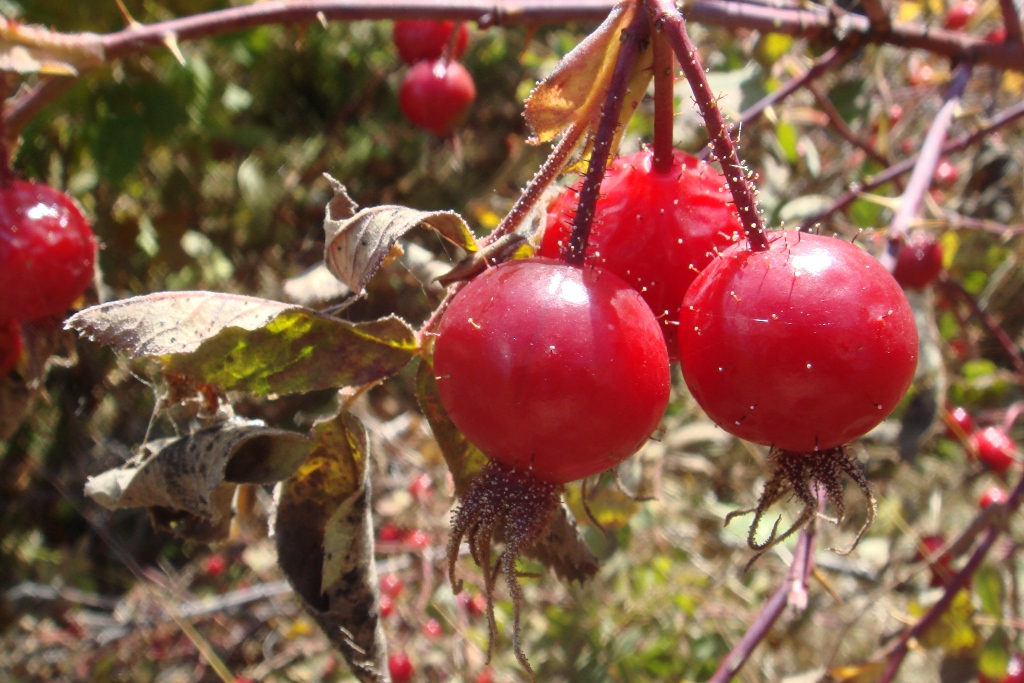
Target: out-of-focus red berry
[[475, 605], [960, 423], [991, 496], [422, 487], [215, 565], [391, 585], [996, 35], [941, 568], [919, 261], [485, 676], [994, 448], [959, 14], [418, 539], [946, 174], [400, 668], [386, 606], [433, 629], [389, 533]]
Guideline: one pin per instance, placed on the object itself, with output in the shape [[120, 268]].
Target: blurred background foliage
[[208, 175]]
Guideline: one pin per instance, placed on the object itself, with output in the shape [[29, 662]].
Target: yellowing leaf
[[1013, 82], [573, 92], [909, 11], [610, 507], [857, 673]]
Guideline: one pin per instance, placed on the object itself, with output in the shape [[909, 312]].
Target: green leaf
[[988, 582], [787, 136], [325, 543], [995, 655], [865, 213]]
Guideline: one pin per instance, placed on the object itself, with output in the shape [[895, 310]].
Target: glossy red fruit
[[475, 606], [47, 251], [10, 346], [435, 95], [391, 585], [485, 676], [654, 230], [386, 606], [991, 496], [994, 448], [959, 14], [941, 568], [550, 368], [963, 421], [418, 539], [419, 40], [433, 629], [804, 346], [400, 668], [946, 174], [919, 261], [389, 533]]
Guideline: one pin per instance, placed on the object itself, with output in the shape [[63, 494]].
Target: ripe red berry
[[418, 539], [419, 40], [434, 95], [919, 261], [421, 487], [551, 368], [10, 346], [946, 174], [991, 496], [400, 668], [994, 448], [433, 629], [1014, 672], [215, 565], [389, 533], [959, 420], [996, 35], [47, 251], [654, 230], [959, 14], [485, 676], [391, 585], [804, 346], [386, 606], [941, 568]]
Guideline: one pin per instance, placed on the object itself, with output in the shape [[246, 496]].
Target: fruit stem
[[668, 21], [632, 40], [664, 104], [927, 160], [453, 39]]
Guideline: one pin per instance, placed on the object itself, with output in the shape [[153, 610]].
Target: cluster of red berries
[[47, 253], [437, 90]]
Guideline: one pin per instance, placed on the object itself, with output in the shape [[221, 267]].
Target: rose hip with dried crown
[[47, 251], [654, 230], [419, 40], [434, 95]]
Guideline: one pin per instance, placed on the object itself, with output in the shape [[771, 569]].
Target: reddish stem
[[668, 21], [1011, 20], [664, 104], [998, 333], [632, 40]]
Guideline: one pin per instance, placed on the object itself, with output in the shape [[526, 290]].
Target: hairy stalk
[[632, 41], [668, 21], [1004, 118], [664, 104]]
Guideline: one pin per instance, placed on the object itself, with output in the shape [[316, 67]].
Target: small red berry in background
[[215, 565], [400, 668], [422, 488], [47, 251], [996, 35], [1014, 672], [433, 629], [389, 533], [654, 230], [553, 370], [10, 346], [959, 14], [922, 74], [386, 606], [434, 95], [475, 606], [485, 676], [994, 448], [919, 261], [946, 174], [991, 496], [959, 423], [804, 346], [391, 585], [418, 539], [942, 567], [419, 40]]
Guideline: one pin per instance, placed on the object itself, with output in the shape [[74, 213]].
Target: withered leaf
[[28, 49], [357, 244], [248, 344], [561, 548], [188, 482], [325, 543], [573, 92]]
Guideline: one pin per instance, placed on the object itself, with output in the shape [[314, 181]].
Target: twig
[[1008, 115], [632, 40], [669, 22], [1011, 20], [1011, 349], [796, 580], [664, 104], [836, 120]]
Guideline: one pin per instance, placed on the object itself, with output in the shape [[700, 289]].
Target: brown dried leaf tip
[[800, 474], [514, 506]]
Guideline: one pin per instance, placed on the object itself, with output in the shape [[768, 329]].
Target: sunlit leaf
[[857, 673], [995, 655], [358, 243], [988, 582], [609, 506], [325, 543]]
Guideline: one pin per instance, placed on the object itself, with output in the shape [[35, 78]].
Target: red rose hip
[[419, 40], [918, 262], [47, 251], [434, 95], [553, 369]]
